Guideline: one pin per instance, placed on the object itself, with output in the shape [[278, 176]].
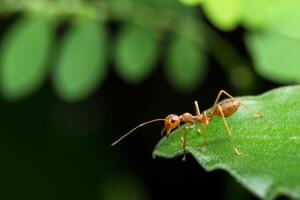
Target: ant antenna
[[132, 130]]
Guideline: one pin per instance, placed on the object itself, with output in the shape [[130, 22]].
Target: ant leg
[[180, 131], [204, 132], [203, 148], [183, 139], [229, 132], [204, 127], [184, 143], [197, 108], [259, 115], [162, 131]]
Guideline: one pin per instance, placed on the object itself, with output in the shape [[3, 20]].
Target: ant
[[222, 109]]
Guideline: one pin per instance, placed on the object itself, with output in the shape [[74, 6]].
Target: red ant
[[222, 109]]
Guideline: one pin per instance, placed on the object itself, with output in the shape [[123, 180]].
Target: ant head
[[171, 122]]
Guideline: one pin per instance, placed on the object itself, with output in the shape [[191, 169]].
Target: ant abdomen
[[228, 106]]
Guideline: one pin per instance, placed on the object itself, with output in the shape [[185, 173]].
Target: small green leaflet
[[81, 65], [24, 57], [275, 56], [186, 64], [136, 52], [224, 14]]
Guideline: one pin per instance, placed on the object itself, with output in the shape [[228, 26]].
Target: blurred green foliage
[[136, 52], [81, 65], [225, 14], [72, 43], [272, 39], [191, 2], [276, 56], [24, 57], [186, 64], [122, 187]]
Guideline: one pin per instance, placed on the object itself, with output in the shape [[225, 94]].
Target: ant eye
[[172, 120]]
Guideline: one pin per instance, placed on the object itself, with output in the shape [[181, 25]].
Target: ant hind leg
[[237, 151], [256, 115]]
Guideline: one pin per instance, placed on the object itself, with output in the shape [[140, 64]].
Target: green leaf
[[82, 64], [276, 57], [283, 17], [25, 51], [254, 13], [270, 163], [165, 6], [136, 53], [224, 14], [276, 16], [186, 64], [191, 2]]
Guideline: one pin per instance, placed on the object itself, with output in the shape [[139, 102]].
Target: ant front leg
[[183, 140], [203, 125], [237, 151], [189, 126]]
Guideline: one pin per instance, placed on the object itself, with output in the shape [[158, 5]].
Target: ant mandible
[[222, 109]]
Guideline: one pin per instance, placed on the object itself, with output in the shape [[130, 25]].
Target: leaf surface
[[270, 164]]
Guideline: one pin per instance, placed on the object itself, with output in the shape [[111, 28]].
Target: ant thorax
[[187, 117]]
